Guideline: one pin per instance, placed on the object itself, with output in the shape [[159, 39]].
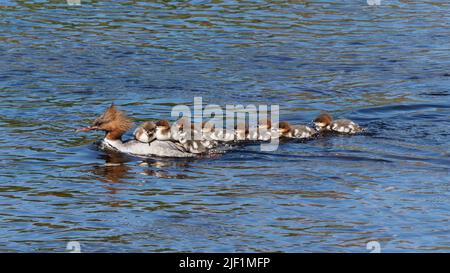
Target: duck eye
[[97, 123]]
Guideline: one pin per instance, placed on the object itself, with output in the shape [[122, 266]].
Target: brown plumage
[[113, 121], [208, 126], [323, 120], [182, 123], [148, 126], [163, 123], [285, 127]]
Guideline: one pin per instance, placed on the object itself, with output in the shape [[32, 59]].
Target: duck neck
[[114, 135]]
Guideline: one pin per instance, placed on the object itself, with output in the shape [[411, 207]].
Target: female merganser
[[145, 132], [163, 130], [115, 123], [295, 131], [325, 122]]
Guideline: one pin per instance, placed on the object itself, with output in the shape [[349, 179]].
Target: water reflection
[[111, 172], [116, 168]]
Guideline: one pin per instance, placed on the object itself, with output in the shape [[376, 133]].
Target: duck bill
[[87, 129]]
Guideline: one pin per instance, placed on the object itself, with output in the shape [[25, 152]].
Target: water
[[386, 67]]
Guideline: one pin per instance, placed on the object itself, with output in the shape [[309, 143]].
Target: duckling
[[145, 132], [193, 146], [265, 130], [325, 122], [179, 128], [302, 131], [284, 129], [207, 133], [163, 130], [295, 131], [185, 133], [241, 132], [223, 134]]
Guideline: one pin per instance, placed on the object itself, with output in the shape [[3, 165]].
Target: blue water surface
[[386, 67]]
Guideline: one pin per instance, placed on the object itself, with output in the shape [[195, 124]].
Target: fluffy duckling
[[163, 130], [185, 132], [223, 134], [295, 131], [241, 132], [325, 122], [207, 129], [145, 132], [261, 132], [207, 135], [302, 131], [265, 130], [284, 129], [179, 128], [194, 146]]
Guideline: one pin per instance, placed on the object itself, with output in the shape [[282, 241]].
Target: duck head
[[322, 121], [163, 130], [113, 121], [284, 128]]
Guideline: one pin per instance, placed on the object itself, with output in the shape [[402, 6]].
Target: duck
[[115, 123], [295, 131], [207, 135], [261, 132], [223, 135], [325, 122], [162, 131], [184, 132], [265, 130], [145, 132], [241, 132], [178, 129]]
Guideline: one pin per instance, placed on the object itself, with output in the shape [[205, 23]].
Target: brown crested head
[[284, 126], [163, 124], [265, 123], [148, 126], [323, 120], [112, 121]]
